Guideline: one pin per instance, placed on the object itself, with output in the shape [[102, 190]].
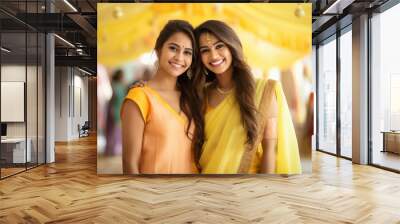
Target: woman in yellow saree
[[231, 100]]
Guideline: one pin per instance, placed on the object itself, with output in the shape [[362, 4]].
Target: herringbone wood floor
[[70, 191]]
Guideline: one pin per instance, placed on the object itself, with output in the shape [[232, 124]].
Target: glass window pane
[[31, 101], [13, 85], [314, 70], [327, 97], [385, 89], [346, 94], [22, 71]]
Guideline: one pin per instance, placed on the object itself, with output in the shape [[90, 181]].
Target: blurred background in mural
[[277, 44]]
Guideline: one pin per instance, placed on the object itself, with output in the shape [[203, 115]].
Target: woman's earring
[[205, 72], [156, 65], [189, 73]]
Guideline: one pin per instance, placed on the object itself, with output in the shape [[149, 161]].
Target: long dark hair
[[189, 101], [242, 77]]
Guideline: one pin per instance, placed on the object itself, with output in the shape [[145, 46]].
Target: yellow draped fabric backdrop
[[273, 35]]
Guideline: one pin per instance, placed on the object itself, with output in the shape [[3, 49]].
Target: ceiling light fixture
[[79, 51], [64, 40], [70, 5], [331, 7], [5, 50], [84, 71], [337, 7]]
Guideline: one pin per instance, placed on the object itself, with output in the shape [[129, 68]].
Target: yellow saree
[[225, 137]]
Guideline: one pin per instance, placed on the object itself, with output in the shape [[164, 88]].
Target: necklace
[[223, 92]]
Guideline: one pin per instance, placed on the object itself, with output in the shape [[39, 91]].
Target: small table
[[391, 141], [13, 150]]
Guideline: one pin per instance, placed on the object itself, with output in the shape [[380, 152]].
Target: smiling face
[[175, 56], [214, 53]]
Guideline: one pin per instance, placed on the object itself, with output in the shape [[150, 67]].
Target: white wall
[[71, 94], [15, 73], [62, 80]]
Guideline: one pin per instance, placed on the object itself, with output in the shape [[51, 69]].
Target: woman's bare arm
[[270, 137], [132, 137]]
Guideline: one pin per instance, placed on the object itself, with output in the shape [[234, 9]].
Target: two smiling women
[[200, 112]]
